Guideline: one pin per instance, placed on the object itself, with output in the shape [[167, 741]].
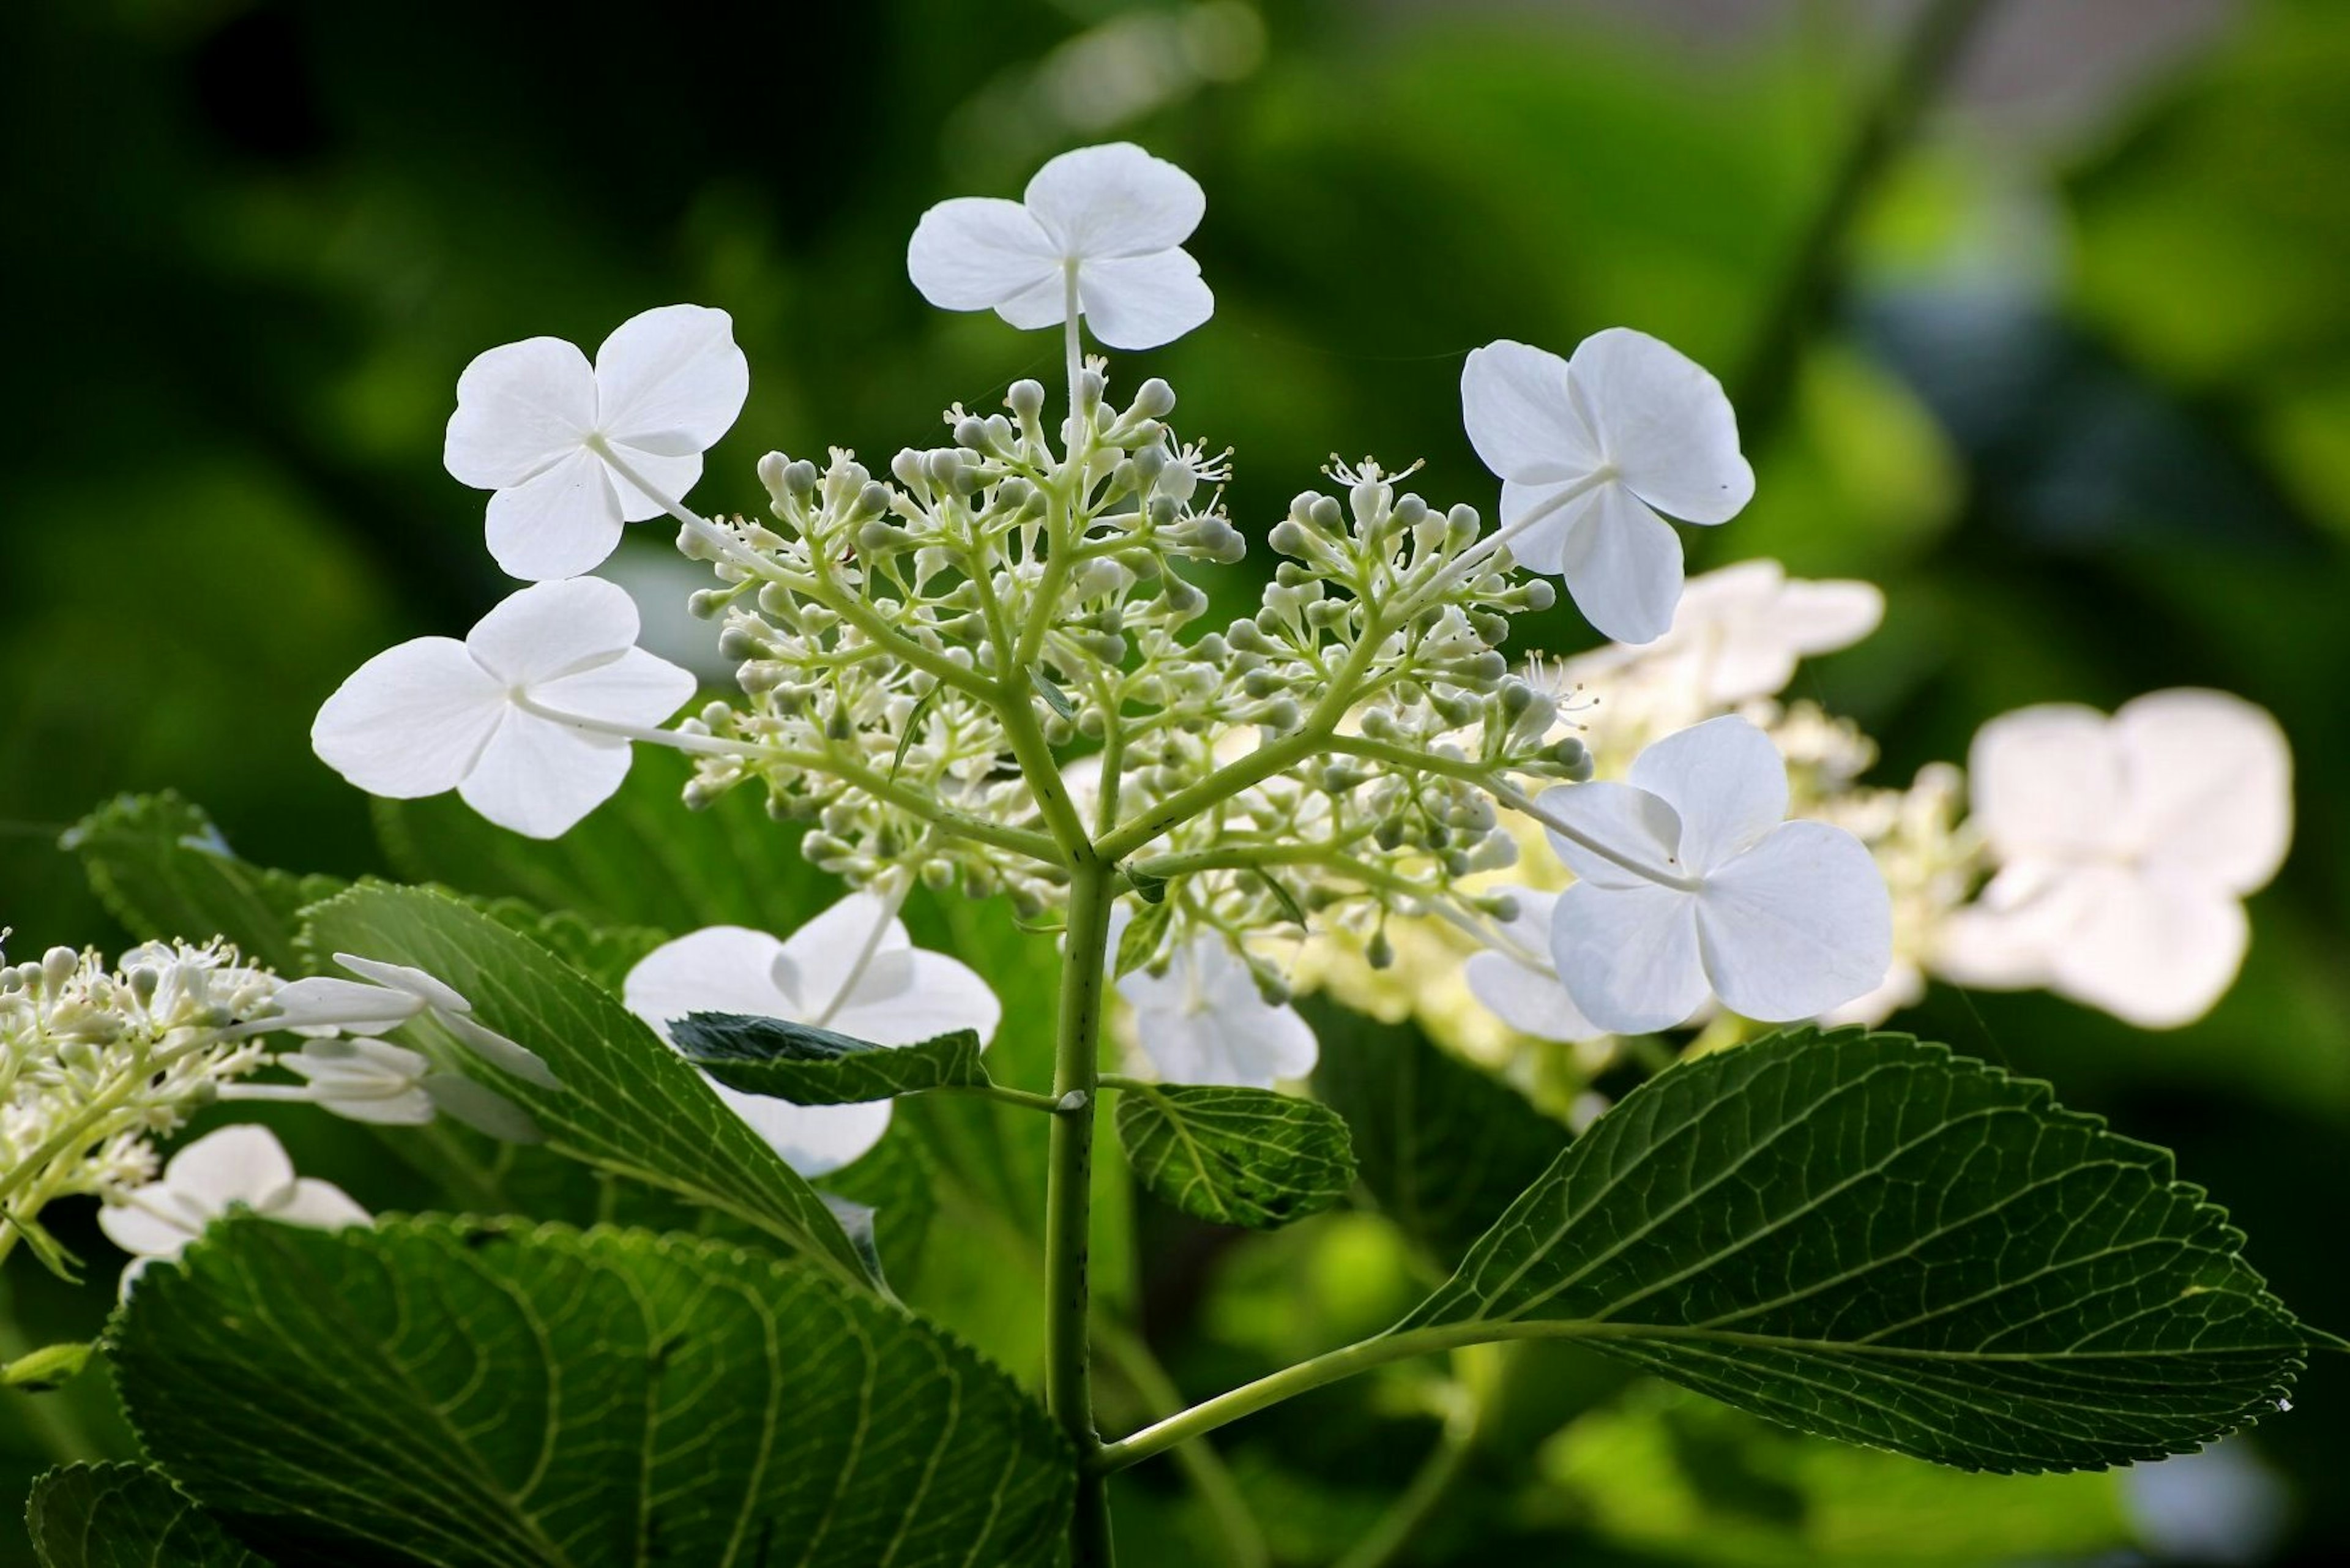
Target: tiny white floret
[[1203, 1020]]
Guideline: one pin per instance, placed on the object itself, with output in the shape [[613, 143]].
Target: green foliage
[[468, 1393], [639, 859], [1234, 1156], [813, 1066], [1443, 1148], [1868, 1238], [163, 869], [124, 1516], [626, 1103]]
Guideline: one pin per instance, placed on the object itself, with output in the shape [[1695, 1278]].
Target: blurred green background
[[2037, 313]]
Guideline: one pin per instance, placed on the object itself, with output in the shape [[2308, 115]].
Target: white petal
[[242, 1163], [2154, 950], [670, 379], [945, 995], [1631, 821], [669, 476], [2210, 783], [409, 1107], [1528, 1000], [538, 778], [345, 1004], [1045, 303], [1664, 422], [410, 721], [1726, 781], [1821, 617], [637, 687], [320, 1204], [553, 629], [1903, 983], [1622, 564], [429, 988], [559, 523], [977, 252], [813, 1140], [507, 1055], [1141, 302], [719, 968], [1797, 925], [1990, 948], [1114, 200], [1540, 545], [1628, 956], [2047, 782], [481, 1107], [1514, 405], [827, 962], [141, 1231], [520, 407]]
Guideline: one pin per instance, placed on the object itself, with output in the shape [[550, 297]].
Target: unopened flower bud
[[1025, 399], [771, 469], [1154, 400]]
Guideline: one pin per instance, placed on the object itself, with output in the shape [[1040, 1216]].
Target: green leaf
[[161, 867], [492, 1395], [1138, 943], [605, 954], [640, 859], [1233, 1156], [813, 1066], [1291, 909], [898, 1180], [1054, 698], [124, 1516], [1867, 1237], [1444, 1148], [628, 1103]]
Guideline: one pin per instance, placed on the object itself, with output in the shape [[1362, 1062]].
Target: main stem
[[1068, 1218]]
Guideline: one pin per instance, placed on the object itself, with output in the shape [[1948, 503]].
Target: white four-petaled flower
[[1589, 450], [505, 718], [852, 969], [1779, 920], [1738, 633], [1101, 226], [241, 1165], [2126, 848], [1203, 1020], [1515, 979], [574, 450]]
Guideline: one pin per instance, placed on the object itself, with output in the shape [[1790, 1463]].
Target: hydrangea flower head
[[1101, 228], [243, 1166], [573, 451], [487, 717], [1203, 1020], [1590, 451]]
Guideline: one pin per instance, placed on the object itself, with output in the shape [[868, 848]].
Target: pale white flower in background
[[574, 450], [852, 969], [1101, 226], [1515, 977], [1203, 1020], [506, 718], [1781, 920], [2124, 848], [244, 1166], [1589, 450], [1738, 633]]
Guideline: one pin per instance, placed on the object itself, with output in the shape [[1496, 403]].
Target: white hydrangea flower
[[1780, 921], [1738, 634], [574, 450], [1515, 979], [853, 970], [1589, 450], [1098, 231], [519, 717], [240, 1166], [1203, 1020], [2126, 848]]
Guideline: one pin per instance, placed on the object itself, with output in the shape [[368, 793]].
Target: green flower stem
[[1000, 1094], [1068, 1383]]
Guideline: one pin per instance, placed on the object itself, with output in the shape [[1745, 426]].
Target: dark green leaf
[[162, 869], [491, 1394], [897, 1180], [628, 1103], [1232, 1156], [641, 858], [1291, 909], [813, 1066], [912, 727], [124, 1516], [1867, 1237], [1444, 1148], [605, 954]]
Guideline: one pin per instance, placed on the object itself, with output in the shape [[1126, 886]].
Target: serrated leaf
[[628, 1103], [490, 1394], [605, 954], [1443, 1148], [1867, 1237], [1138, 943], [639, 859], [1234, 1156], [896, 1180], [162, 869], [124, 1516], [813, 1066]]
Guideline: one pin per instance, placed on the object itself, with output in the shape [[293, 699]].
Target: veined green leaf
[[495, 1395], [813, 1066], [1233, 1156], [626, 1103], [124, 1516], [161, 867], [1138, 943], [1868, 1238]]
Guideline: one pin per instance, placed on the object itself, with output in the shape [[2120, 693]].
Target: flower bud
[[799, 479], [1154, 400], [771, 469], [1025, 399]]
